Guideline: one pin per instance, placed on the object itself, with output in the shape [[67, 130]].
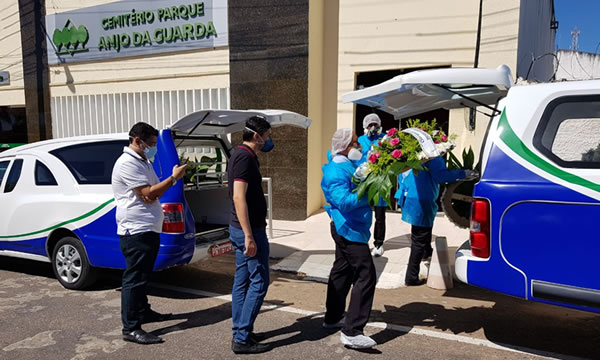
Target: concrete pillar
[[35, 69]]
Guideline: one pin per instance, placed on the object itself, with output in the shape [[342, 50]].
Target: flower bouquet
[[396, 152]]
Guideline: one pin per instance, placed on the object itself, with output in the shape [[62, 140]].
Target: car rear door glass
[[43, 175], [91, 163], [569, 132], [3, 167], [13, 175]]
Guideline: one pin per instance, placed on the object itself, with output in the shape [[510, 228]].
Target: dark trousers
[[379, 231], [140, 251], [353, 266], [420, 247]]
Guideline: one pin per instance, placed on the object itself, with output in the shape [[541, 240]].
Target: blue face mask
[[150, 152], [268, 146]]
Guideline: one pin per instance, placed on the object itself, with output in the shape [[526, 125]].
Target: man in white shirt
[[139, 223]]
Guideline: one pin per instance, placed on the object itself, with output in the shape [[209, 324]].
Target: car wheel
[[71, 265], [456, 202]]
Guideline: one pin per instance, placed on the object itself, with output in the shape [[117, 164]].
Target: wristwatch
[[173, 180]]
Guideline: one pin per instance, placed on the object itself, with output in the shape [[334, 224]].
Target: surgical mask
[[355, 154], [149, 151], [373, 130], [267, 145]]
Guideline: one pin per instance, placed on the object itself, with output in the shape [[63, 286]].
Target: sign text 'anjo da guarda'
[[167, 34]]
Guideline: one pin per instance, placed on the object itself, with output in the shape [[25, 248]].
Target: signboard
[[6, 146], [4, 78], [135, 27]]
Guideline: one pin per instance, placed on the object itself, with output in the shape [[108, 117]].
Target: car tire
[[71, 265], [456, 202]]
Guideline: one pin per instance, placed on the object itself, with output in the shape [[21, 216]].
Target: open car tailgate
[[421, 91], [221, 122]]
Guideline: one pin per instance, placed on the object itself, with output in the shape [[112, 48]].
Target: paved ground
[[306, 247], [41, 320]]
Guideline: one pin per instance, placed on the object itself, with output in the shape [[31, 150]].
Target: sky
[[583, 14]]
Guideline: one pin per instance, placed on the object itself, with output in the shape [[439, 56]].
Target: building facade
[[111, 64]]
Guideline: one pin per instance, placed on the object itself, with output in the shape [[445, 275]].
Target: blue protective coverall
[[417, 194], [353, 265], [352, 217]]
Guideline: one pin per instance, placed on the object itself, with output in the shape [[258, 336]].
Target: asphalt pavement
[[41, 320]]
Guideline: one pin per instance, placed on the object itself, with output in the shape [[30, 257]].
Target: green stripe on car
[[88, 214], [511, 139]]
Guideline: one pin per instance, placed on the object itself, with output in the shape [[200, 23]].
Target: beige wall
[[322, 88], [186, 70], [400, 34], [11, 56]]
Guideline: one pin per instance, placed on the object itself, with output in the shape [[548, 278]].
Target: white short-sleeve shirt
[[133, 215]]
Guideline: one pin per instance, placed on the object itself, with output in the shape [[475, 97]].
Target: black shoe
[[142, 337], [153, 316], [256, 338], [414, 282], [253, 338], [250, 348]]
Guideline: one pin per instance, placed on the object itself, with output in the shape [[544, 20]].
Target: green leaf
[[453, 162]]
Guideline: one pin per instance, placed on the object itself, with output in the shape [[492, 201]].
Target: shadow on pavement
[[510, 322]]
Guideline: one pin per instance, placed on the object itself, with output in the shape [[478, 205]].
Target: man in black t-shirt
[[247, 233]]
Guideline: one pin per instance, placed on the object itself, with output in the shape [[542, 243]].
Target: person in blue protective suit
[[351, 220], [417, 195], [372, 128]]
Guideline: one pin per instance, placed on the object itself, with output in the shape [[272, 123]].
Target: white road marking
[[382, 325]]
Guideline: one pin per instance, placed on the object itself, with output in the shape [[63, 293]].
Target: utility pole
[[32, 15]]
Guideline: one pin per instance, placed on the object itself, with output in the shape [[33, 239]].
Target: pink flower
[[436, 142], [394, 141], [396, 154], [444, 138], [379, 143], [392, 131], [377, 155], [373, 158]]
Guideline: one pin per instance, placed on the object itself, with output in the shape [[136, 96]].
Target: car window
[[206, 159], [43, 176], [3, 167], [13, 175], [569, 132], [91, 163]]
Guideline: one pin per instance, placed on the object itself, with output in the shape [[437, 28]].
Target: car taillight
[[480, 228], [173, 222]]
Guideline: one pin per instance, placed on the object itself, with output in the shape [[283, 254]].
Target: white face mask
[[354, 154]]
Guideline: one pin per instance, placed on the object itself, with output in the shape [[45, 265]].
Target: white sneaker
[[358, 341], [337, 325], [377, 251]]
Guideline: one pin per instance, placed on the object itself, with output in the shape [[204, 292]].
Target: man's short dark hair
[[258, 124], [143, 131]]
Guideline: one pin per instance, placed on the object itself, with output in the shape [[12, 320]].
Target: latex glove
[[471, 174]]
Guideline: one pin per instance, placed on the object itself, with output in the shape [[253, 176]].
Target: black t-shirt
[[243, 166]]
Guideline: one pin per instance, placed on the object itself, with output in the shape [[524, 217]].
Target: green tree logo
[[70, 40]]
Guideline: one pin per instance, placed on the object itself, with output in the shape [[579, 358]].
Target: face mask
[[354, 154], [267, 145], [373, 130], [149, 151]]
